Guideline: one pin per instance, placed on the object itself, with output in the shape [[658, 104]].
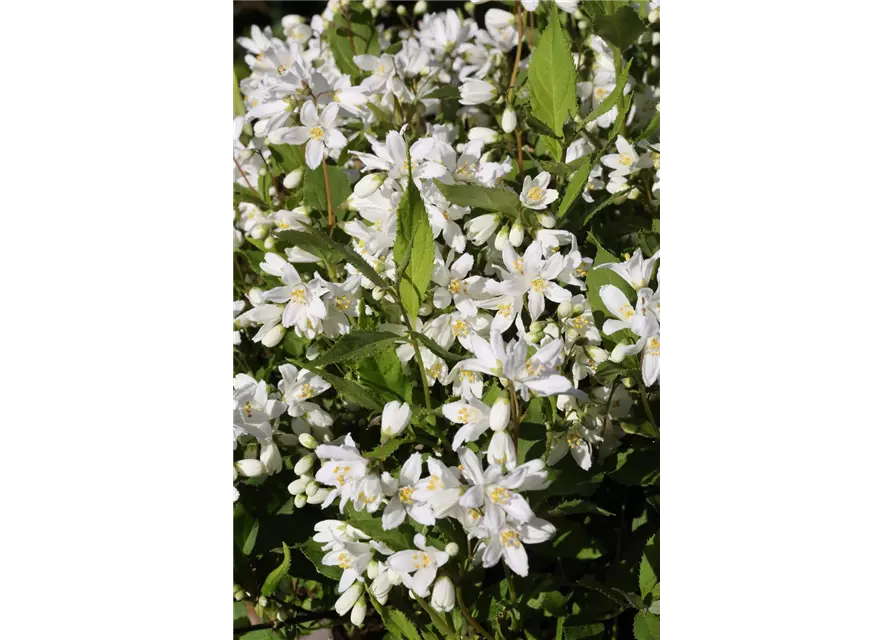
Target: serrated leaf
[[315, 187], [314, 553], [649, 579], [574, 187], [552, 78], [382, 451], [608, 103], [495, 199], [622, 28], [398, 624], [321, 245], [356, 345], [447, 92], [277, 574], [646, 626], [584, 631], [413, 250], [385, 374]]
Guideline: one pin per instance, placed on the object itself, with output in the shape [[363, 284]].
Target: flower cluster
[[445, 283]]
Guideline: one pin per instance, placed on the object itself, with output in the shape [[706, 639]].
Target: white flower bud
[[565, 309], [582, 25], [239, 595], [319, 497], [305, 464], [546, 220], [307, 440], [297, 487], [509, 120], [269, 243], [539, 325], [425, 309], [250, 468], [452, 549], [571, 334], [273, 337], [358, 613], [235, 473], [394, 419], [481, 228], [401, 10], [443, 596], [368, 4], [260, 231], [311, 488], [469, 8], [501, 238], [312, 352], [373, 569], [500, 413], [579, 309], [533, 337], [369, 184], [487, 136], [262, 601], [552, 330], [293, 179], [300, 501], [516, 235], [381, 587], [377, 294], [654, 16], [348, 598], [420, 7]]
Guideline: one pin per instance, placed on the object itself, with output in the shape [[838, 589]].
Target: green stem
[[441, 622], [516, 414], [418, 354], [643, 391], [474, 623]]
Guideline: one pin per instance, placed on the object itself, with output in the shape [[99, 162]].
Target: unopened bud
[[311, 489], [533, 337], [565, 309], [319, 497], [305, 464], [516, 235], [369, 184], [373, 569], [297, 487], [262, 601], [401, 10], [579, 309], [273, 336], [293, 179], [300, 501], [256, 296], [269, 243], [358, 613], [501, 238], [546, 220], [420, 7], [539, 325], [654, 16], [571, 334], [452, 549], [307, 440], [582, 25], [509, 120], [239, 595], [250, 468]]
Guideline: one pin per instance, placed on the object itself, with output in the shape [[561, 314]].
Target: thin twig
[[239, 167], [353, 48], [643, 391], [474, 623], [519, 22], [325, 175]]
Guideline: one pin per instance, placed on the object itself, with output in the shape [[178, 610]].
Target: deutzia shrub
[[447, 322]]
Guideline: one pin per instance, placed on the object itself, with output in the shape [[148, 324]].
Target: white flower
[[305, 309], [480, 228], [626, 160], [443, 596], [476, 91], [501, 27], [353, 558], [419, 567], [441, 489], [344, 468], [454, 285], [531, 275], [403, 500], [318, 131], [643, 320], [509, 541], [475, 417], [296, 388], [394, 419], [509, 120], [348, 599], [535, 194], [636, 271]]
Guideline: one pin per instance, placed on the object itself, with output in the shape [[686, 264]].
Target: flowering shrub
[[447, 322]]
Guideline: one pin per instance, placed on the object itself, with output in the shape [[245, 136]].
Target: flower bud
[[260, 231], [469, 8], [369, 184], [358, 613], [501, 238], [269, 243], [420, 7], [500, 413], [299, 486], [381, 587], [319, 497], [425, 309], [401, 10], [239, 595], [654, 16], [262, 601], [582, 25], [516, 235], [250, 468], [311, 488], [565, 309], [488, 136], [305, 464], [377, 294], [571, 334], [373, 569], [481, 228], [348, 598], [579, 309], [539, 325], [443, 596], [307, 440], [293, 179], [546, 220], [533, 337], [273, 337], [394, 419], [452, 549], [552, 330], [300, 501], [509, 120]]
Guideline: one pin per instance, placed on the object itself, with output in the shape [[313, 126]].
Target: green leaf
[[653, 126], [240, 615], [649, 569], [595, 280], [261, 634], [238, 103], [315, 187], [314, 553], [370, 524], [365, 40], [288, 156], [277, 574], [385, 374], [606, 203], [382, 451], [321, 245], [574, 187], [435, 348], [349, 389], [637, 467], [447, 92], [413, 250], [608, 103], [552, 78], [646, 626], [398, 624], [245, 529], [356, 345], [493, 199], [622, 28], [584, 631], [244, 194]]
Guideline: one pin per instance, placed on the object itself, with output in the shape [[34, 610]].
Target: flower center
[[538, 285], [434, 483], [505, 309], [421, 560], [342, 303], [298, 295], [455, 286], [653, 347], [536, 194], [500, 495], [467, 415], [510, 539], [533, 368], [406, 495], [627, 311], [344, 561], [460, 328], [317, 133], [625, 159]]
